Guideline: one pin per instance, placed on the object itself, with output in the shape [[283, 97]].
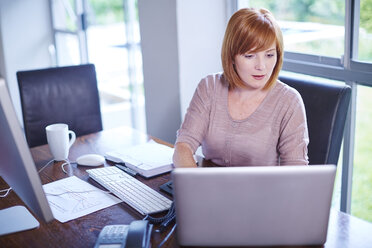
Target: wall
[[201, 26], [158, 29], [181, 43], [25, 34]]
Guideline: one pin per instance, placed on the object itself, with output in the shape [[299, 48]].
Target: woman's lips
[[258, 77]]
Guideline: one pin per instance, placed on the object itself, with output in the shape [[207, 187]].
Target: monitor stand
[[15, 219]]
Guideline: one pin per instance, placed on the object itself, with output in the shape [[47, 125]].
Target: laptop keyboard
[[133, 192]]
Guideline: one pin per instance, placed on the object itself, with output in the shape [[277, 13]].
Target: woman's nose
[[260, 64]]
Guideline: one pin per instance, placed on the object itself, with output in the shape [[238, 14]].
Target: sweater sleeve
[[294, 138], [195, 124]]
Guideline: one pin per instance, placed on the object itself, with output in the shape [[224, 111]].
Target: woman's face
[[255, 69]]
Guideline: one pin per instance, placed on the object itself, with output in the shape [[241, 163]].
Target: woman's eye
[[249, 56], [270, 55]]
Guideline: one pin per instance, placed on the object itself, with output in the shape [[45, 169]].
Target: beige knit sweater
[[275, 134]]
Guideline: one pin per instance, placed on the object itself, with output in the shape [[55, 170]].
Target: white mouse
[[90, 160]]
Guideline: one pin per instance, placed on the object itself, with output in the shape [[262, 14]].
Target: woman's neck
[[243, 102]]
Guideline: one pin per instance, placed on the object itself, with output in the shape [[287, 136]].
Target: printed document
[[148, 159], [71, 198]]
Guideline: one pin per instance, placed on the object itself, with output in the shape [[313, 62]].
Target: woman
[[245, 116]]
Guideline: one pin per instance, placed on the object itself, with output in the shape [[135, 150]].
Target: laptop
[[253, 206]]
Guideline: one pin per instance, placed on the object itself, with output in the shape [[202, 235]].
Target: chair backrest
[[326, 107], [59, 95]]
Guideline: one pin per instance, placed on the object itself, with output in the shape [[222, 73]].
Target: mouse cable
[[42, 168], [7, 191], [67, 162]]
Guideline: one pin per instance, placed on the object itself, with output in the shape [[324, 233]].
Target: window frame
[[80, 33]]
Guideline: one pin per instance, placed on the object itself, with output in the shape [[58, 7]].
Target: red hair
[[250, 30]]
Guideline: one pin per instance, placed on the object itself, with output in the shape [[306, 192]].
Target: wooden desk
[[344, 230], [81, 232]]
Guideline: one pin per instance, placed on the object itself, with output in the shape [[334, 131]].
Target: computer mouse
[[90, 160]]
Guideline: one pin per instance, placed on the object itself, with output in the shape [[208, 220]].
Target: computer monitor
[[17, 168]]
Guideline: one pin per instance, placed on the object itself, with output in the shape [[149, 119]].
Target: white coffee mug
[[59, 141]]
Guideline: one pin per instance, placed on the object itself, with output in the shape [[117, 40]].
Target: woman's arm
[[183, 156], [195, 125], [294, 137]]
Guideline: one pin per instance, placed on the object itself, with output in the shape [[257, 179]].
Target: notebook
[[253, 206], [148, 159]]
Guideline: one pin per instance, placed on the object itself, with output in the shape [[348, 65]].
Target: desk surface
[[344, 230]]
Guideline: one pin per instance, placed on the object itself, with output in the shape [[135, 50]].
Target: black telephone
[[135, 235]]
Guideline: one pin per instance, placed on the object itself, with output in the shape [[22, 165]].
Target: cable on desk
[[42, 168], [7, 191], [67, 162], [167, 237], [165, 220]]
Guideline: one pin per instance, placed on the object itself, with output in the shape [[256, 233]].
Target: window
[[331, 39], [106, 34], [312, 27], [68, 49], [361, 198], [365, 31], [66, 32], [64, 17]]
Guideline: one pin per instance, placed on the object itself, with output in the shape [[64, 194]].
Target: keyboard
[[133, 192]]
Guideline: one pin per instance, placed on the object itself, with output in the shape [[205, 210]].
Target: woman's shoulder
[[213, 83], [214, 80], [287, 92]]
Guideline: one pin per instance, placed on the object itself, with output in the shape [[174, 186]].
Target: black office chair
[[326, 107], [59, 95]]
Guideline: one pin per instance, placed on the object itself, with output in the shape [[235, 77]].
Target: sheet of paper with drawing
[[71, 198]]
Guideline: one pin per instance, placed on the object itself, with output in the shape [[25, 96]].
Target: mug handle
[[72, 139]]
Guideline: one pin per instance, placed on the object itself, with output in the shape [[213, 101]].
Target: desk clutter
[[148, 159]]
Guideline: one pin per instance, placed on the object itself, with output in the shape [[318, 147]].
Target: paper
[[148, 159], [71, 198], [150, 155]]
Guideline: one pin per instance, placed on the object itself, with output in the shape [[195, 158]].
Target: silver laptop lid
[[273, 205]]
